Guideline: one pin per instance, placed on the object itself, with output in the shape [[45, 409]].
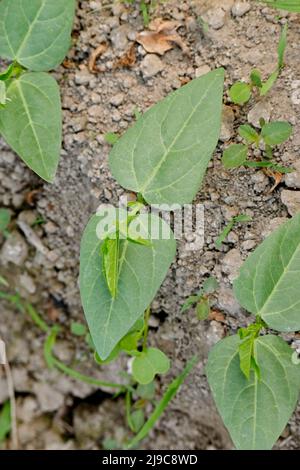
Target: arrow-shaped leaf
[[255, 411], [141, 272], [31, 122], [269, 280], [164, 156], [36, 33]]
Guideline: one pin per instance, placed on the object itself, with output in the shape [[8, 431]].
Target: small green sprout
[[241, 92], [4, 221], [271, 135], [242, 218], [201, 299], [111, 138]]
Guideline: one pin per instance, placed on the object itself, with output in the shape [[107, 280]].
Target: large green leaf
[[141, 272], [164, 156], [255, 411], [269, 280], [36, 33], [289, 5], [31, 122]]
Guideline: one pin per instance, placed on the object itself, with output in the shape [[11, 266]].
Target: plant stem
[[128, 409], [146, 330]]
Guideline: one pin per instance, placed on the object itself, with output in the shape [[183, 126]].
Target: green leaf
[[31, 122], [210, 285], [141, 272], [147, 391], [4, 219], [113, 355], [137, 420], [275, 133], [240, 93], [282, 46], [255, 411], [269, 83], [255, 78], [111, 138], [242, 218], [36, 33], [78, 329], [148, 364], [163, 403], [130, 341], [189, 302], [289, 5], [164, 156], [2, 94], [245, 353], [110, 262], [234, 156], [5, 421], [249, 133], [269, 280], [203, 309]]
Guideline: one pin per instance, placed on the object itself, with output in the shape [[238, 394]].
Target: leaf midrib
[[29, 31], [31, 123]]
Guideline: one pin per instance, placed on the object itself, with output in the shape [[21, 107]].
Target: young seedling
[[270, 135], [241, 92], [4, 221], [35, 41], [241, 218], [255, 378], [201, 299]]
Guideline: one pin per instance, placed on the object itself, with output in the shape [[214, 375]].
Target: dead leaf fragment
[[128, 59], [94, 56], [161, 37], [275, 175]]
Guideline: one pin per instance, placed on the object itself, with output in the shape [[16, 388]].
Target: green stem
[[162, 404], [128, 409], [146, 330]]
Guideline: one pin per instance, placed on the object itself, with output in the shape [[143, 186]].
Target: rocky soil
[[40, 260]]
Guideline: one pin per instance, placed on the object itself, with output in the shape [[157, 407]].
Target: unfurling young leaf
[[110, 261], [269, 83], [141, 272], [240, 93], [164, 156], [148, 364], [234, 156]]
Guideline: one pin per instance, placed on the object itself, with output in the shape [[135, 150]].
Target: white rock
[[260, 110], [14, 250], [151, 65], [215, 18], [227, 124], [240, 8], [202, 70], [291, 199], [231, 263], [292, 180]]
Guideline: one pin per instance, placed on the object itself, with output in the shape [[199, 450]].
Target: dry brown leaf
[[31, 196], [128, 59], [94, 56], [275, 175], [161, 37], [217, 316]]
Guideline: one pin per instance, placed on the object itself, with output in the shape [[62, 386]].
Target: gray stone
[[119, 37], [49, 399], [27, 283], [240, 8], [202, 70], [292, 180], [215, 18], [14, 250], [227, 124], [231, 263], [260, 110], [151, 65], [291, 199]]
